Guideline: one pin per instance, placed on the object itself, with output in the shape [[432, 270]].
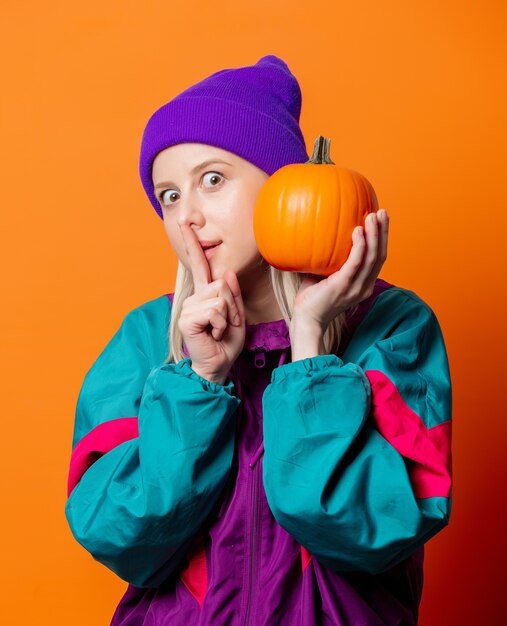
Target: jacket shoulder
[[156, 308], [149, 323], [113, 384], [398, 302]]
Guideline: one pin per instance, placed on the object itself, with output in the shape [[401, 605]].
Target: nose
[[189, 211]]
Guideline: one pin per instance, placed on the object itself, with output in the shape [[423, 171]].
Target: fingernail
[[236, 321]]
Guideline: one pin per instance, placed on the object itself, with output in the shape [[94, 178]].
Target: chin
[[216, 269]]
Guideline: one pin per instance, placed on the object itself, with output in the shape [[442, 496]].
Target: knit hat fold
[[252, 111]]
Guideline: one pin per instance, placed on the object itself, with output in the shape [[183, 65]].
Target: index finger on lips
[[198, 262]]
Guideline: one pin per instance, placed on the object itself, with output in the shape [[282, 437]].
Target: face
[[214, 192]]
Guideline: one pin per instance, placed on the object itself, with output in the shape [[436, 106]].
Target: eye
[[166, 196], [213, 178]]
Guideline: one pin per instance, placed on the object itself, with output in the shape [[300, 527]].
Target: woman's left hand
[[321, 299]]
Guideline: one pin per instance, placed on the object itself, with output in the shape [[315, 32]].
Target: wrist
[[307, 339], [219, 380], [304, 327]]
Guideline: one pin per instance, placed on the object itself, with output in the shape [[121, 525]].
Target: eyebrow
[[196, 169]]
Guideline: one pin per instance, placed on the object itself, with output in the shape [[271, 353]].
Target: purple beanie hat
[[252, 111]]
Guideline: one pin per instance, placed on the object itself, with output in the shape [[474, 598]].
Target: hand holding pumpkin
[[306, 220], [321, 299]]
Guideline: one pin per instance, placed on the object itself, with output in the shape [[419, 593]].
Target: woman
[[260, 447]]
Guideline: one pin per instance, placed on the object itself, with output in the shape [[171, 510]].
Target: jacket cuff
[[305, 367], [183, 368]]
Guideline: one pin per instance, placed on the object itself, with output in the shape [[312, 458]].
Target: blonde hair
[[285, 287]]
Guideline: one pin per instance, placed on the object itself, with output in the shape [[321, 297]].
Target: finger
[[221, 289], [235, 289], [351, 266], [231, 311], [219, 304], [199, 265], [201, 315], [382, 235], [219, 323], [372, 248]]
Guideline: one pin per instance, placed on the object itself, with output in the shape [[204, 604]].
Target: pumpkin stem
[[320, 154]]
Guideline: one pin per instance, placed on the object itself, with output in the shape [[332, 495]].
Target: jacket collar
[[267, 336]]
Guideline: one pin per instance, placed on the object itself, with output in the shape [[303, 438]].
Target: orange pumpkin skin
[[305, 214]]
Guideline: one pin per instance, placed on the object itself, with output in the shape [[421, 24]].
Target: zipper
[[254, 510]]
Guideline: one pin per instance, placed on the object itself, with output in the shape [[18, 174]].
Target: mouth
[[211, 246], [210, 250], [205, 245]]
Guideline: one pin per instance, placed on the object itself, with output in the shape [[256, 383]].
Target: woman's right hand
[[206, 322]]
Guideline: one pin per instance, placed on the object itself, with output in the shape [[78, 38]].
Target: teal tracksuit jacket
[[296, 493]]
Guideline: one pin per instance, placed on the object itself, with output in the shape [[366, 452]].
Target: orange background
[[412, 95]]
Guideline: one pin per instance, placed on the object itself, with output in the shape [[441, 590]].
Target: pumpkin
[[305, 213]]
